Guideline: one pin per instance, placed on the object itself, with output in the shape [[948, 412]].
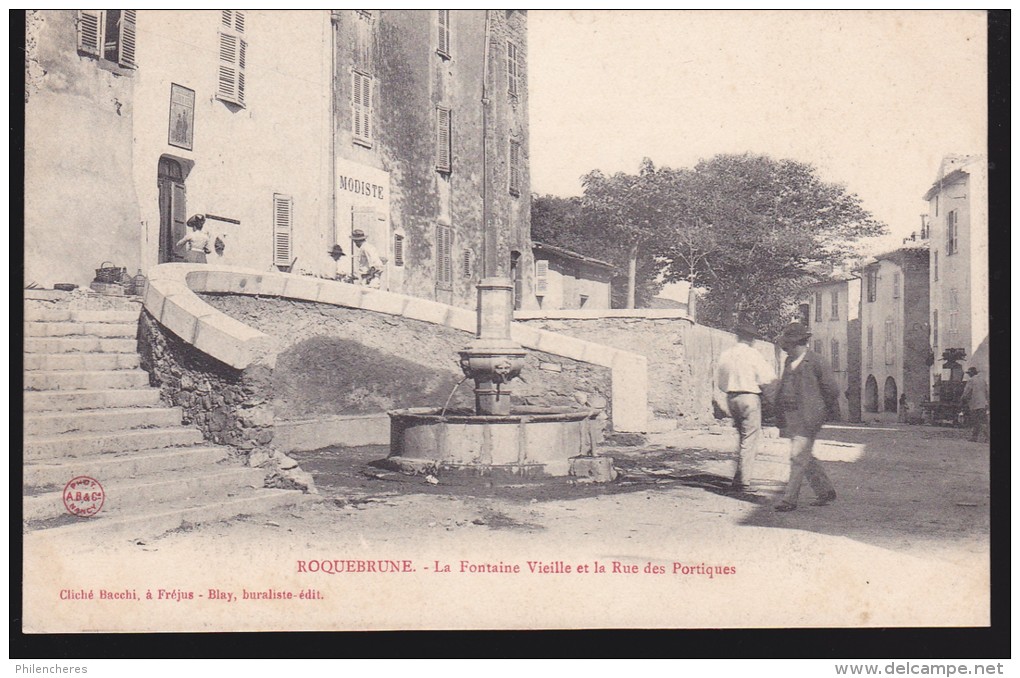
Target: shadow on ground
[[913, 486]]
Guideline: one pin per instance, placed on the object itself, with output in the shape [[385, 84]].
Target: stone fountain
[[495, 437]]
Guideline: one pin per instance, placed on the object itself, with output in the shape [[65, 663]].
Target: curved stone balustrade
[[171, 298]]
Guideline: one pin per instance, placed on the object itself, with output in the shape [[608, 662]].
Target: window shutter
[[466, 263], [398, 250], [231, 84], [443, 145], [283, 226], [90, 31], [444, 255], [444, 31], [361, 105], [511, 68], [515, 168], [541, 277], [126, 44], [835, 355]]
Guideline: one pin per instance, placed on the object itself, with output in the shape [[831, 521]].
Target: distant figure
[[337, 253], [975, 397], [367, 260], [197, 241], [745, 376], [808, 395]]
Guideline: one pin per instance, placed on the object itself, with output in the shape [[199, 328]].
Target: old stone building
[[289, 130], [894, 334], [831, 309], [958, 270]]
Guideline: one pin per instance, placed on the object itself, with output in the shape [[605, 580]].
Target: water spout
[[455, 387]]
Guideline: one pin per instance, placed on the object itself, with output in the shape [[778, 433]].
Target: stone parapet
[[172, 300]]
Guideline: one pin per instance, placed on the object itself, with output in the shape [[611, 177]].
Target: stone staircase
[[89, 411]]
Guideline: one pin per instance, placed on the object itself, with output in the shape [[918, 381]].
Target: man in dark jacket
[[808, 396]]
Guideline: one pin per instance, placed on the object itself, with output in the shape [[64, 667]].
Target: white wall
[[278, 143]]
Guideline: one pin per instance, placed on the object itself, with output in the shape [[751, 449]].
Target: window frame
[[818, 306], [834, 305], [835, 361], [952, 232], [513, 65], [125, 45], [871, 278]]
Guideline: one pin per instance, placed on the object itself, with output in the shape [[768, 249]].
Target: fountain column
[[492, 359]]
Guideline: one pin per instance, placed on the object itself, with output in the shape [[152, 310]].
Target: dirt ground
[[906, 543]]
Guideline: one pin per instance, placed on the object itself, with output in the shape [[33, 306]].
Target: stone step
[[133, 525], [79, 344], [90, 399], [140, 494], [108, 419], [70, 380], [58, 315], [76, 445], [52, 362], [68, 329], [41, 476]]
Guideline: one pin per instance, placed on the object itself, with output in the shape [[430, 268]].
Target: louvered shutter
[[398, 250], [443, 145], [91, 25], [444, 31], [466, 263], [361, 105], [231, 81], [541, 277], [178, 219], [128, 31], [444, 255], [283, 227], [515, 168]]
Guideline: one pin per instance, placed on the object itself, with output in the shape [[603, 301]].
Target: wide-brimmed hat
[[972, 371], [793, 333], [196, 220], [337, 251], [358, 235], [746, 329]]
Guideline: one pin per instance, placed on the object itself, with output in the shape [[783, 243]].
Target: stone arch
[[890, 395], [871, 394]]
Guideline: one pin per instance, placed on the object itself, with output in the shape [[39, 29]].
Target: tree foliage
[[750, 229]]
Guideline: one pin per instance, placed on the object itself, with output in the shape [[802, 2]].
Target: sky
[[873, 100]]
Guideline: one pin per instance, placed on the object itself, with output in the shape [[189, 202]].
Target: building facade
[[289, 130], [895, 352], [958, 271], [831, 310], [567, 280]]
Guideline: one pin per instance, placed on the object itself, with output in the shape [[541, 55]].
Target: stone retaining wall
[[682, 357]]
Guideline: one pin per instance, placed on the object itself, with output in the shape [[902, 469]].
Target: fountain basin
[[530, 441]]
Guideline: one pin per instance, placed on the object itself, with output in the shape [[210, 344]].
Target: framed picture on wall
[[182, 117]]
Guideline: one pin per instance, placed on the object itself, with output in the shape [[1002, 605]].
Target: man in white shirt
[[745, 376], [366, 257]]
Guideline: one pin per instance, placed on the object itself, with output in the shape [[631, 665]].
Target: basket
[[108, 273]]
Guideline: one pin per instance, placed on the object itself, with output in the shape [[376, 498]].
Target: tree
[[753, 230], [613, 221]]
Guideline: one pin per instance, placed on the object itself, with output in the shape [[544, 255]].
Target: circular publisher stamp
[[84, 496]]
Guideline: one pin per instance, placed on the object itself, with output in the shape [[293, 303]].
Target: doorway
[[890, 395], [871, 394], [515, 279], [173, 209]]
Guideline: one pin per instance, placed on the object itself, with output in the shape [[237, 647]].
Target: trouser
[[745, 408], [803, 463], [979, 418]]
